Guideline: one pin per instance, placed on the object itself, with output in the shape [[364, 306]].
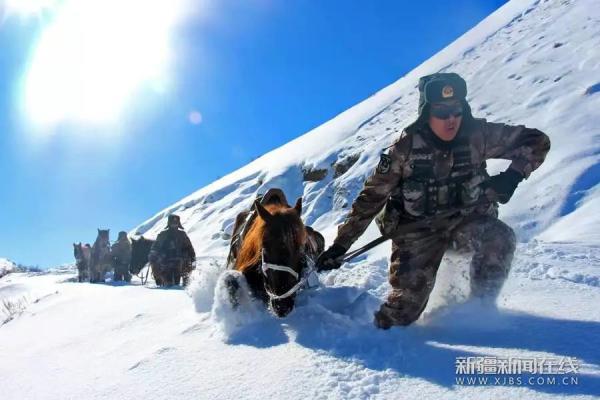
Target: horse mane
[[250, 252]]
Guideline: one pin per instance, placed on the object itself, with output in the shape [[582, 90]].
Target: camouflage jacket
[[173, 244], [421, 176], [121, 251]]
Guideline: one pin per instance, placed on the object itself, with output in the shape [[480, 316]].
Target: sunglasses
[[444, 112]]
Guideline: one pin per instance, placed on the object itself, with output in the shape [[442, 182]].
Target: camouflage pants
[[416, 258], [121, 272]]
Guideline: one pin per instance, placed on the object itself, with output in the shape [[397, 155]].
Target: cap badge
[[447, 91]]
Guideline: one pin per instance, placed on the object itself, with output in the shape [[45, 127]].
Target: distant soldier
[[172, 255], [434, 178], [101, 260], [121, 257]]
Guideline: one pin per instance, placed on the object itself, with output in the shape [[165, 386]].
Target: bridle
[[301, 279]]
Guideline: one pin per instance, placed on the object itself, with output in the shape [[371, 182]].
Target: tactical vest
[[172, 247], [434, 180]]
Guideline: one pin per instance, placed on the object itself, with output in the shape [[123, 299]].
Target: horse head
[[283, 238], [103, 235], [77, 251]]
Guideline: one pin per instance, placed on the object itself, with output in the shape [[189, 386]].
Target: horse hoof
[[233, 286]]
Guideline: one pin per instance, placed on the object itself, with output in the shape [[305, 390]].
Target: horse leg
[[232, 286], [156, 274]]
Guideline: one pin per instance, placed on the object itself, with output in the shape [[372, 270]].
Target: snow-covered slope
[[535, 63]]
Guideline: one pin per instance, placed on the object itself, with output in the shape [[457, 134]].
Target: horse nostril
[[281, 309], [283, 312]]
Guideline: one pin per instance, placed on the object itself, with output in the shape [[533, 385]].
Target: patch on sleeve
[[385, 163]]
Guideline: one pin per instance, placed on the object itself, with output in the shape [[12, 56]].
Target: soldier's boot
[[491, 262], [399, 313], [487, 282], [125, 273]]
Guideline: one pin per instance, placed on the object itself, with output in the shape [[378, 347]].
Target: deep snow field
[[117, 341]]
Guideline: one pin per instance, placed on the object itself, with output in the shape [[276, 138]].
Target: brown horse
[[275, 253], [83, 255]]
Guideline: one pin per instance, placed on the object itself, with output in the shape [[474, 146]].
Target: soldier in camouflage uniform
[[436, 173], [121, 256], [172, 255]]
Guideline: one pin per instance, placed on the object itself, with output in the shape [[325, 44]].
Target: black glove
[[328, 259], [504, 184]]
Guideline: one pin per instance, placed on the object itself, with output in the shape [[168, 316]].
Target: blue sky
[[259, 73]]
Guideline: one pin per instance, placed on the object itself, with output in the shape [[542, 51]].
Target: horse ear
[[298, 206], [263, 212]]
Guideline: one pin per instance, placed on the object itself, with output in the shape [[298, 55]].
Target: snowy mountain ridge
[[519, 69], [6, 266]]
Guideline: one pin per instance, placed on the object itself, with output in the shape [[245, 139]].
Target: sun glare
[[26, 8], [95, 54]]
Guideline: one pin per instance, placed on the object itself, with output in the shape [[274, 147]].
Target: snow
[[127, 341], [6, 266], [533, 63]]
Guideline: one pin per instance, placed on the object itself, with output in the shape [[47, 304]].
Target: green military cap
[[173, 218], [439, 87]]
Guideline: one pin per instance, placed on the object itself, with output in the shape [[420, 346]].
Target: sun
[[95, 54]]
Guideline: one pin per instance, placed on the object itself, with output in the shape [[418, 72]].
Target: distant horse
[[140, 249], [101, 259], [83, 256], [275, 253]]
